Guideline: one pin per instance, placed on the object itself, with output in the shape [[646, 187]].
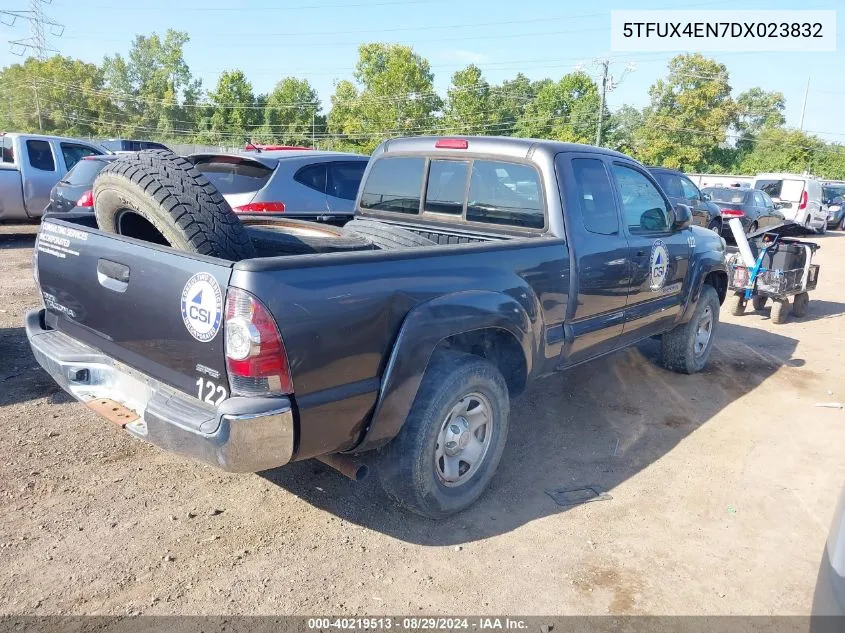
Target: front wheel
[[780, 310], [715, 226], [842, 223], [800, 304], [451, 443], [687, 348], [737, 303]]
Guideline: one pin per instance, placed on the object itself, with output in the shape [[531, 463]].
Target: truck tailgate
[[152, 308]]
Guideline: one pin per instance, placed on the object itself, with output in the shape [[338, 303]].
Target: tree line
[[693, 120]]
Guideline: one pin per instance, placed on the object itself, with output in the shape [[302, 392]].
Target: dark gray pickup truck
[[493, 261]]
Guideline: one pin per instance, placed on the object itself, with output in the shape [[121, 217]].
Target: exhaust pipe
[[346, 466]]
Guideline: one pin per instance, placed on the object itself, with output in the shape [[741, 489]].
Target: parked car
[[681, 190], [755, 209], [305, 184], [30, 164], [799, 196], [74, 191], [834, 197], [130, 145], [496, 261]]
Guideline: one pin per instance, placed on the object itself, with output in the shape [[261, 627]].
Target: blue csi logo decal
[[659, 264], [202, 306]]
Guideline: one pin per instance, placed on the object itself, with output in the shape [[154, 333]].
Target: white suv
[[798, 196]]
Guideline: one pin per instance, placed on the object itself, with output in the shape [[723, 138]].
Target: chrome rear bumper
[[239, 435]]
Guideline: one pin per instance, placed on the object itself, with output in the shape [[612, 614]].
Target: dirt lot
[[723, 487]]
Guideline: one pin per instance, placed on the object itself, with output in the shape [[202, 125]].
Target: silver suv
[[304, 184]]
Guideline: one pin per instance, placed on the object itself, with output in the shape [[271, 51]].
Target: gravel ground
[[723, 486]]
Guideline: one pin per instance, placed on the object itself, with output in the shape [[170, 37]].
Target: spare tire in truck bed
[[281, 236], [160, 197], [385, 235]]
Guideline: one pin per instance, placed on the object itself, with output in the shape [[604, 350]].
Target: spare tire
[[275, 236], [385, 235], [160, 197]]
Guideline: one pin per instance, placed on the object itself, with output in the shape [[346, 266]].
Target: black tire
[[294, 237], [679, 350], [800, 304], [385, 236], [759, 302], [752, 229], [715, 226], [160, 197], [842, 223], [736, 303], [407, 466], [780, 310]]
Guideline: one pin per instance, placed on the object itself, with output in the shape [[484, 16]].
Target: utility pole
[[313, 126], [607, 84], [37, 107], [605, 64], [804, 106]]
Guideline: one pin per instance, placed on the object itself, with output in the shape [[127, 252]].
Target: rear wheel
[[842, 223], [687, 348], [736, 304], [800, 304], [452, 441], [759, 302], [780, 310], [752, 229]]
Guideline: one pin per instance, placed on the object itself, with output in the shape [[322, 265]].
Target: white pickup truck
[[30, 164]]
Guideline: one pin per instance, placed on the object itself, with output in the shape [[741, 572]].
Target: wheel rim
[[704, 331], [464, 440]]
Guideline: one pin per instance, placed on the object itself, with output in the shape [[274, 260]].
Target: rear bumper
[[239, 435]]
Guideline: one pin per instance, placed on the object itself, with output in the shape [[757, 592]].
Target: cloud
[[464, 57]]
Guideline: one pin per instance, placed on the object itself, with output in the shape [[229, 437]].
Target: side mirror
[[683, 217], [778, 205], [705, 197]]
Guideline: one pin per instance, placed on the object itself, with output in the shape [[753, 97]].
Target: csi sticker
[[202, 306], [659, 264]]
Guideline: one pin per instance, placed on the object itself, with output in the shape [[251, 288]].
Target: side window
[[645, 210], [312, 176], [40, 155], [595, 196], [670, 183], [691, 192], [767, 201], [73, 153], [505, 193], [394, 184], [344, 178], [8, 155], [758, 199], [447, 185]]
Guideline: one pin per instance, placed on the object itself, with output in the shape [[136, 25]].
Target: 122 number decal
[[214, 394]]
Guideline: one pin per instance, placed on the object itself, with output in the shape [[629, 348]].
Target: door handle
[[113, 275]]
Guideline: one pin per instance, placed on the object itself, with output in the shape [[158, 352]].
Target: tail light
[[261, 207], [86, 199], [803, 204], [732, 213], [255, 353]]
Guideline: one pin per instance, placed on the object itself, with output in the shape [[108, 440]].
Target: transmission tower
[[39, 23]]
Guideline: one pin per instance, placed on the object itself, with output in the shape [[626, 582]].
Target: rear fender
[[425, 327]]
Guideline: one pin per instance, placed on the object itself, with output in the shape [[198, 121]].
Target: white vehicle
[[798, 196], [730, 181]]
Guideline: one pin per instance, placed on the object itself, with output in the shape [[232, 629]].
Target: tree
[[622, 127], [59, 95], [757, 110], [509, 100], [291, 113], [689, 114], [467, 109], [777, 149], [152, 84], [563, 111], [233, 109], [396, 97]]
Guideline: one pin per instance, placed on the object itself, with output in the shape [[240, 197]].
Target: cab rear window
[[394, 184], [505, 193]]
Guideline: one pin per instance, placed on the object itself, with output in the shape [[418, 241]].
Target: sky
[[318, 40]]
